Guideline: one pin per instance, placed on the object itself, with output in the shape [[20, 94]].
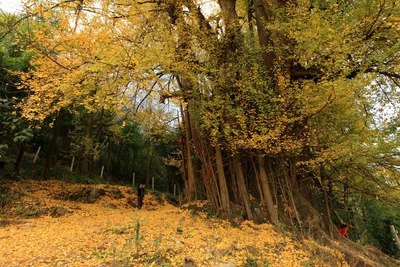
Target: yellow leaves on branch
[[89, 57], [71, 76]]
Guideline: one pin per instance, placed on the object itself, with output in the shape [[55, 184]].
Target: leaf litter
[[100, 226]]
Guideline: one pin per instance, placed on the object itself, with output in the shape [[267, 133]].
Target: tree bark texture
[[243, 191], [222, 180], [191, 180], [266, 191]]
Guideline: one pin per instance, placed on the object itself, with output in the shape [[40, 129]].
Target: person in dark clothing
[[140, 195]]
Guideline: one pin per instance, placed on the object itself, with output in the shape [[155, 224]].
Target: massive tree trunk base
[[258, 189]]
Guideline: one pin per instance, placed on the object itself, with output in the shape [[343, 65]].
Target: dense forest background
[[286, 111]]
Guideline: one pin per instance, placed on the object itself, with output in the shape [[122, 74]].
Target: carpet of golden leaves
[[110, 232]]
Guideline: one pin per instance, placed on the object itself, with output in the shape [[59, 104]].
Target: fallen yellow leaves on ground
[[110, 232]]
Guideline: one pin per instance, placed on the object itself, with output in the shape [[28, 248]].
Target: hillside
[[53, 223]]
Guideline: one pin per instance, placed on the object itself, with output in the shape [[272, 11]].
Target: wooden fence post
[[102, 171], [72, 164], [396, 237], [37, 154], [180, 196]]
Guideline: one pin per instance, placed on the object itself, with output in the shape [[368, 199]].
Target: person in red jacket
[[343, 229]]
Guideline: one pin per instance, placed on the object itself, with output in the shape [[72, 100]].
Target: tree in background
[[14, 130], [87, 127]]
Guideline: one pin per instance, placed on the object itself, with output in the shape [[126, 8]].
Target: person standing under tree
[[140, 195]]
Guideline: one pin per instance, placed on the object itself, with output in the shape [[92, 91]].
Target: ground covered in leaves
[[54, 223]]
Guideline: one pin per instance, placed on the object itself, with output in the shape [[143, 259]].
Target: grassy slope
[[110, 232]]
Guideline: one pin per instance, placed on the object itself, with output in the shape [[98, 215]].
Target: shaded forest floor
[[53, 223]]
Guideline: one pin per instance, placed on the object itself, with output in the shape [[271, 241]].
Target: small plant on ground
[[157, 242], [250, 262], [137, 237], [121, 230], [165, 264]]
